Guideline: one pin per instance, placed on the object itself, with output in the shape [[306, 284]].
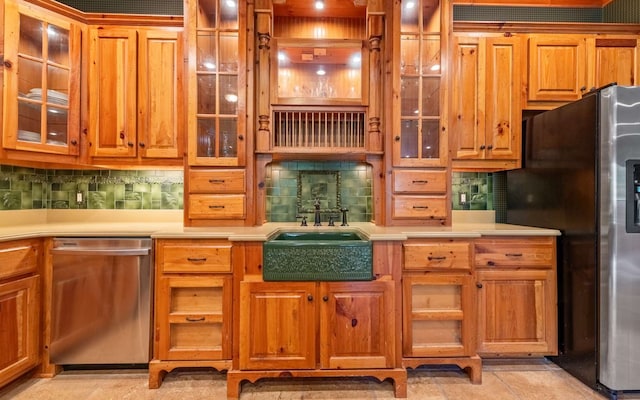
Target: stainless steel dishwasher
[[101, 301]]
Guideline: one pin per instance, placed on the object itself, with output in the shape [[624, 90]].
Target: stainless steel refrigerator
[[581, 175]]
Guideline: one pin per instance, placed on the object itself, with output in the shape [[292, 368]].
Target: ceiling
[[332, 8]]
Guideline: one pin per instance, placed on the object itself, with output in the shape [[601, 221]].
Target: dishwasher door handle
[[101, 252]]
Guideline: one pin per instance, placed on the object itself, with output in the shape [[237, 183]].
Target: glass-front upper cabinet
[[314, 71], [417, 138], [42, 87], [217, 101]]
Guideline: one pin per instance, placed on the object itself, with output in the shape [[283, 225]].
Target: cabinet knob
[[490, 147], [482, 147], [325, 298], [479, 285], [397, 138], [74, 142], [310, 297], [141, 144], [8, 63], [241, 137], [121, 135], [491, 263], [130, 144]]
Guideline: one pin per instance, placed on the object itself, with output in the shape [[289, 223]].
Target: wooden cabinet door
[[468, 100], [517, 312], [160, 93], [193, 317], [503, 112], [557, 67], [19, 322], [41, 66], [277, 325], [357, 325], [438, 319], [112, 92], [485, 91], [617, 60]]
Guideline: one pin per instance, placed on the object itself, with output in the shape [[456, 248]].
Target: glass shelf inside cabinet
[[319, 72]]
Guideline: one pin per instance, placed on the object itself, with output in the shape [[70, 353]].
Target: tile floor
[[536, 379]]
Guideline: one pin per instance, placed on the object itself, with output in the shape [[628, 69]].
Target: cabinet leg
[[233, 386], [156, 374], [400, 386], [474, 370]]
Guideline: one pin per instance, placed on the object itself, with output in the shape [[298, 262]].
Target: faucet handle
[[304, 220], [332, 220], [344, 216]]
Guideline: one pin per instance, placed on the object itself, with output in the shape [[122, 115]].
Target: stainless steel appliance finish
[[101, 301], [581, 175]]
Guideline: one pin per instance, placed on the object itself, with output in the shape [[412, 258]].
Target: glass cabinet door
[[215, 126], [416, 135], [42, 82]]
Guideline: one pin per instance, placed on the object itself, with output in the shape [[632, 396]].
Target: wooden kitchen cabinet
[[438, 305], [41, 63], [485, 96], [216, 195], [517, 299], [418, 143], [19, 308], [617, 59], [557, 68], [193, 306], [136, 95], [216, 106], [279, 321]]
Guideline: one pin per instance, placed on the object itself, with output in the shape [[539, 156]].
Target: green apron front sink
[[317, 256]]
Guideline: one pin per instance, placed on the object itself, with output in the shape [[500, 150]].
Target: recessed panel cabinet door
[[557, 67], [112, 96], [517, 312], [19, 327], [617, 60], [357, 325], [160, 94], [277, 325]]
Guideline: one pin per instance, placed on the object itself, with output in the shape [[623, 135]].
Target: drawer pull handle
[[219, 207], [421, 182], [199, 259], [513, 254], [421, 207], [436, 258], [491, 263], [195, 319], [216, 180]]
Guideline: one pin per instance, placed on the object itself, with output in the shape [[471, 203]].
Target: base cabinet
[[516, 297], [19, 307], [279, 323], [193, 306], [438, 324], [19, 327]]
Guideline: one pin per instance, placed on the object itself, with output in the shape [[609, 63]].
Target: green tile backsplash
[[292, 186], [30, 188], [477, 188]]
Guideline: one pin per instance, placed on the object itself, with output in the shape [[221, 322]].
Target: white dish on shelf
[[28, 136]]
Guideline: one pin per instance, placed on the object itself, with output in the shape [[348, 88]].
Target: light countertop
[[168, 224]]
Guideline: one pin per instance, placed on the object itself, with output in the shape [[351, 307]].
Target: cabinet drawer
[[19, 257], [204, 206], [193, 256], [419, 207], [437, 256], [217, 181], [408, 181], [534, 253]]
